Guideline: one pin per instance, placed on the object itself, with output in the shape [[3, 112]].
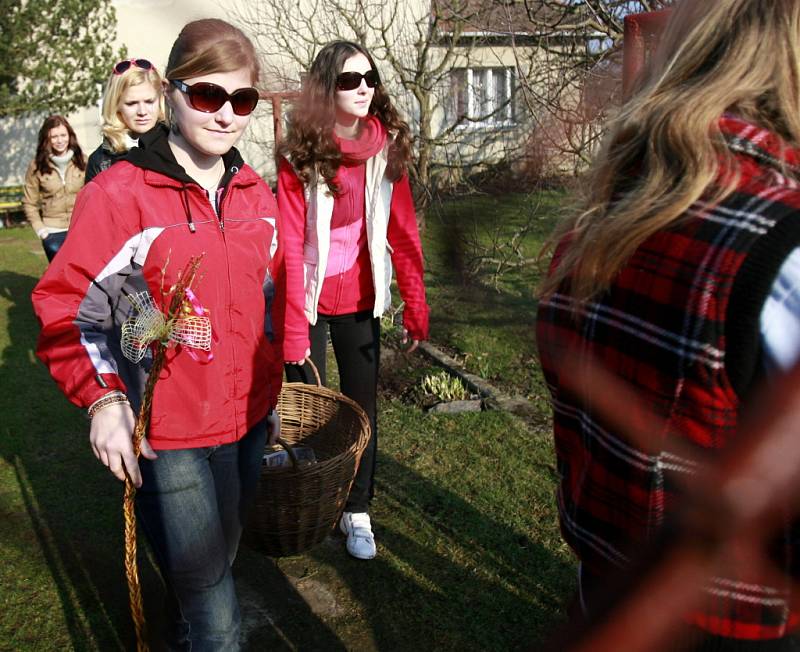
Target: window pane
[[500, 93], [458, 93], [483, 94], [480, 83]]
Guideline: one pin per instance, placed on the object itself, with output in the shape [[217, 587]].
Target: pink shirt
[[348, 285]]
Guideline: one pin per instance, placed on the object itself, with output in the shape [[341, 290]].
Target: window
[[483, 95]]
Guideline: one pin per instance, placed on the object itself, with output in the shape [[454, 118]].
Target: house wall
[[471, 145], [393, 31], [539, 142], [147, 28]]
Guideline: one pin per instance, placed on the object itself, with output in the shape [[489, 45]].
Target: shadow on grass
[[448, 576], [72, 506], [498, 328], [71, 510], [451, 574]]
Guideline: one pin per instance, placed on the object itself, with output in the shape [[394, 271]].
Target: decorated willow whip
[[186, 322]]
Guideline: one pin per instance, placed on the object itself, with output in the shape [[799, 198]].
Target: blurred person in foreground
[[681, 275], [133, 103], [52, 182]]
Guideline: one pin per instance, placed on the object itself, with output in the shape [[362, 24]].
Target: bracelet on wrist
[[112, 398]]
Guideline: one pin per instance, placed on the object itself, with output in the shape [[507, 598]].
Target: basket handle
[[290, 451], [314, 369]]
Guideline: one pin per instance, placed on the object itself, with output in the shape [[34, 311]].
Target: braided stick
[[184, 281]]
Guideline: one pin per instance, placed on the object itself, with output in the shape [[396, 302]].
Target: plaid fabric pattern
[[666, 327]]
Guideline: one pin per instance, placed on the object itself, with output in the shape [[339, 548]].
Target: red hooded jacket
[[134, 228]]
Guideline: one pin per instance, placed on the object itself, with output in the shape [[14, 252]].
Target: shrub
[[444, 387]]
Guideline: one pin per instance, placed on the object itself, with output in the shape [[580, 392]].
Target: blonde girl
[[133, 103]]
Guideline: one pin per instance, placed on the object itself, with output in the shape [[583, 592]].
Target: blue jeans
[[192, 507], [52, 243]]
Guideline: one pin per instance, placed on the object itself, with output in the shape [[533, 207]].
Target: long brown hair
[[310, 142], [664, 149], [43, 150]]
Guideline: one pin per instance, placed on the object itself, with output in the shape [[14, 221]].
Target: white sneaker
[[360, 540]]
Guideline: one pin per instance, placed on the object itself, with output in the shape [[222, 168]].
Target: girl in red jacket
[[183, 191], [348, 216]]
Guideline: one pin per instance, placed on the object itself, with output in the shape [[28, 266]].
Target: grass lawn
[[489, 323], [469, 552]]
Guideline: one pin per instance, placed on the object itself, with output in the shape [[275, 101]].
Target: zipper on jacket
[[221, 200], [234, 170], [187, 208]]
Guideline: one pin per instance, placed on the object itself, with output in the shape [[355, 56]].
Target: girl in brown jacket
[[52, 182]]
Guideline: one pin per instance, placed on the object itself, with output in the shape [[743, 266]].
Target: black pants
[[52, 243], [356, 340]]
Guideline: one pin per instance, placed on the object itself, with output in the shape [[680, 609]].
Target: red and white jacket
[[133, 229], [392, 237]]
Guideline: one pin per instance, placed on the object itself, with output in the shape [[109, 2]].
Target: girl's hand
[[111, 438], [414, 343]]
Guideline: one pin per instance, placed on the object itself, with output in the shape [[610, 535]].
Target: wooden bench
[[11, 206]]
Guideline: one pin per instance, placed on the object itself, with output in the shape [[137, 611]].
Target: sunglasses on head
[[348, 81], [121, 66], [209, 98]]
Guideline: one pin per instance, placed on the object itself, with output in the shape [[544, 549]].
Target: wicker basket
[[295, 508]]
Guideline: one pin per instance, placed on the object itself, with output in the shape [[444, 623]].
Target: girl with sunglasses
[[52, 182], [132, 105], [185, 190], [348, 215]]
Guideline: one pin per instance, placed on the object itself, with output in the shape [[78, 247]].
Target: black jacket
[[101, 159], [104, 157]]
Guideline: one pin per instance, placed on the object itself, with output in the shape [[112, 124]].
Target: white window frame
[[502, 118]]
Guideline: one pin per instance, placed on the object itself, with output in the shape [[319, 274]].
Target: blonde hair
[[114, 129], [664, 149]]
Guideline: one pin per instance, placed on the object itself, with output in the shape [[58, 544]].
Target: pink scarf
[[369, 142]]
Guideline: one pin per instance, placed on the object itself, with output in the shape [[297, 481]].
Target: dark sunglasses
[[348, 81], [209, 98], [121, 66]]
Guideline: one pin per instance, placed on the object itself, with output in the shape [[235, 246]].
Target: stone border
[[492, 397]]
